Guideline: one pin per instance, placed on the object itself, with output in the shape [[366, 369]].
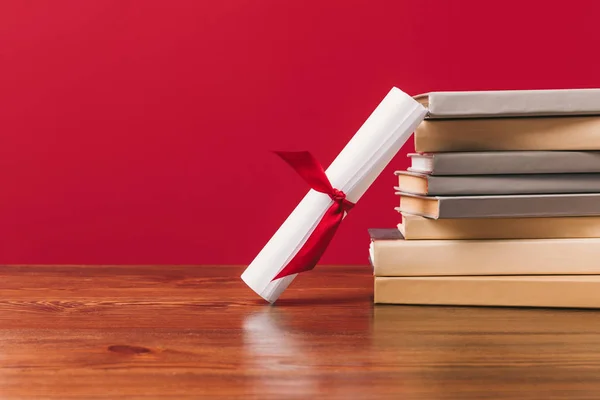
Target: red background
[[140, 131]]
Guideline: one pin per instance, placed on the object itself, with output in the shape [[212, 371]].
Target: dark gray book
[[468, 185], [517, 206], [505, 162]]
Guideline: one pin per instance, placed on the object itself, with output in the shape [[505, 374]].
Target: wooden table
[[137, 332]]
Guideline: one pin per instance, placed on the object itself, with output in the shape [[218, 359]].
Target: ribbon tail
[[307, 166], [309, 255]]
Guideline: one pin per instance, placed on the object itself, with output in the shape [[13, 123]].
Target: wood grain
[[184, 332]]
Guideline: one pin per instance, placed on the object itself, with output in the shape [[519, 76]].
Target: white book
[[353, 171], [510, 103]]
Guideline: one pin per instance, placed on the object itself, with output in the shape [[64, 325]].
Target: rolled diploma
[[353, 171]]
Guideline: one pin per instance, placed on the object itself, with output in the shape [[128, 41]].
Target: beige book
[[414, 227], [391, 255], [502, 134], [507, 291]]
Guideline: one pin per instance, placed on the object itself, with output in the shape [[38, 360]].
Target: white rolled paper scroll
[[353, 171]]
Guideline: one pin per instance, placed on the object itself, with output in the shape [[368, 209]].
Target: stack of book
[[501, 203]]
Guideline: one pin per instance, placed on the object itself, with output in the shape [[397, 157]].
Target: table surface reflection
[[189, 332]]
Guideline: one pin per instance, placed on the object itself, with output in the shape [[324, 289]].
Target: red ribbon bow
[[312, 172]]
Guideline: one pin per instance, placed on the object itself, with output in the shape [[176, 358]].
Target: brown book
[[505, 134], [391, 255], [580, 291], [508, 206], [414, 227], [430, 185]]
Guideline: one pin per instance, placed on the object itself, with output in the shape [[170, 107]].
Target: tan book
[[501, 291], [414, 227], [392, 255], [503, 134]]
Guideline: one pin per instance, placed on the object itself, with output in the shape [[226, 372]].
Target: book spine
[[486, 257], [547, 291]]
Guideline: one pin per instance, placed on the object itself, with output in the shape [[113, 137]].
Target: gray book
[[468, 185], [505, 162], [522, 206], [509, 103]]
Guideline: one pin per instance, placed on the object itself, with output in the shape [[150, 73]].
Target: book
[[504, 103], [524, 206], [466, 185], [566, 291], [414, 227], [508, 134], [353, 171], [505, 162], [392, 255]]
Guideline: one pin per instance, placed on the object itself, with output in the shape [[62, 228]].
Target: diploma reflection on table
[[287, 341], [269, 345]]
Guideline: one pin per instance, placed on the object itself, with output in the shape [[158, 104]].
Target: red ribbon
[[312, 172]]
